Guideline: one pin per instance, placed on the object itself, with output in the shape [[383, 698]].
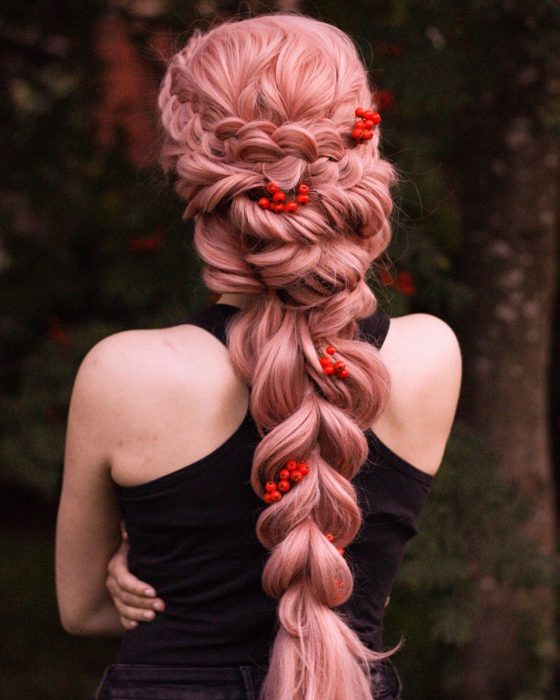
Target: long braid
[[269, 99]]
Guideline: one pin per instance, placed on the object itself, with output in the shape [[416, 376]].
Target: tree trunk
[[509, 157]]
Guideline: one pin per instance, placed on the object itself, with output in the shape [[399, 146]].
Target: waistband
[[215, 683], [179, 682]]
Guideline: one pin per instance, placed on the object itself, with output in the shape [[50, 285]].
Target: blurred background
[[92, 243]]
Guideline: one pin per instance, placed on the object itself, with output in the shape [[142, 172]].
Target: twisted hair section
[[273, 98]]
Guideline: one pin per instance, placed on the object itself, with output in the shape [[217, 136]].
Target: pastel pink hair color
[[273, 98]]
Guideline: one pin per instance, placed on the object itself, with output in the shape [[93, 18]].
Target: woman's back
[[182, 452], [176, 396]]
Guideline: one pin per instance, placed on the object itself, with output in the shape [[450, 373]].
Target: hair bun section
[[263, 141]]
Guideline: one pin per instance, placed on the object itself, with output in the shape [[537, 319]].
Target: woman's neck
[[240, 300]]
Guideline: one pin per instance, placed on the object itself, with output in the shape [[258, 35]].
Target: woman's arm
[[87, 531]]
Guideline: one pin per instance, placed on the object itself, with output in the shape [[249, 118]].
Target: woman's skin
[[140, 410]]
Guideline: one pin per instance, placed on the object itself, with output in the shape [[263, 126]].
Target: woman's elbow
[[72, 613], [103, 622], [74, 624]]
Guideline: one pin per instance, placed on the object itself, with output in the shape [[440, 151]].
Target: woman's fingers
[[128, 583], [137, 601], [128, 624], [133, 614], [128, 613], [134, 599], [118, 570], [119, 591]]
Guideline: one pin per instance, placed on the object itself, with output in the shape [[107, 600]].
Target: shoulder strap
[[373, 329], [213, 319]]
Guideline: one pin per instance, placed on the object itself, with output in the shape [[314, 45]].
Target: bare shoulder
[[136, 383], [144, 354], [118, 362], [426, 334], [423, 355]]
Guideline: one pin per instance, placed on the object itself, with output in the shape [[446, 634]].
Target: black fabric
[[192, 536]]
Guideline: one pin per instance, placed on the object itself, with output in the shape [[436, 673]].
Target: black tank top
[[192, 536]]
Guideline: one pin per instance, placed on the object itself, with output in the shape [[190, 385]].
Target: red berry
[[270, 486], [344, 373], [279, 197], [325, 361], [359, 112], [291, 465], [303, 189], [369, 114], [272, 187], [340, 550], [360, 125], [264, 203], [296, 475], [368, 135], [302, 198], [278, 207], [368, 124], [330, 350], [304, 469], [357, 133], [339, 364], [284, 485], [267, 497], [284, 474], [376, 118], [328, 370], [329, 536], [275, 496], [291, 206]]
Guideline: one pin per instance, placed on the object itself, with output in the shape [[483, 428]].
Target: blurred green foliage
[[469, 533]]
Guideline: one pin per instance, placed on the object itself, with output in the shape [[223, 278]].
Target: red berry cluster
[[293, 470], [330, 538], [366, 122], [278, 203], [332, 366]]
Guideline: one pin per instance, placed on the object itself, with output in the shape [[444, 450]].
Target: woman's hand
[[135, 600]]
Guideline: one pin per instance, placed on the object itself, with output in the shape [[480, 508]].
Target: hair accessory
[[294, 471], [331, 365], [278, 201], [366, 122], [330, 538]]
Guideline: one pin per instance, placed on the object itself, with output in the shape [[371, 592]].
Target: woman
[[270, 455]]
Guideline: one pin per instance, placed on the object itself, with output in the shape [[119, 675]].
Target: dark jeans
[[127, 681]]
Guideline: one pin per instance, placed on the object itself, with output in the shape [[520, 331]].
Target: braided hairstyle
[[273, 98]]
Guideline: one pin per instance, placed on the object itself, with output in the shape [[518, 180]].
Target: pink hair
[[273, 98]]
